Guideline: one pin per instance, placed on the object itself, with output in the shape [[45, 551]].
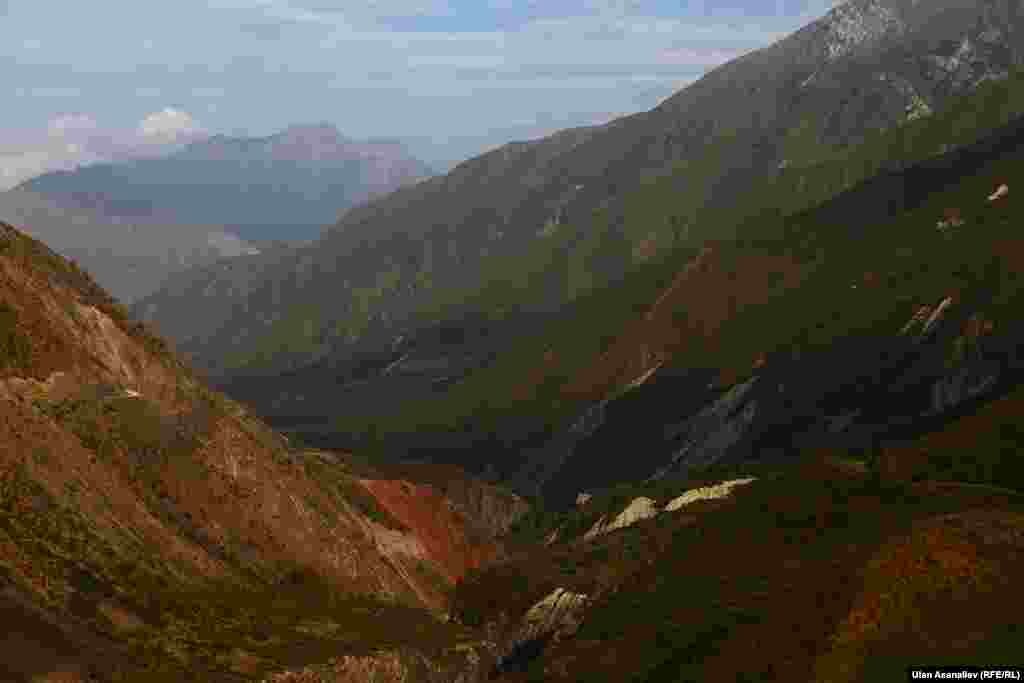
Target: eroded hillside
[[152, 529]]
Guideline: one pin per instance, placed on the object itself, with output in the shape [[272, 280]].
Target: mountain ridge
[[304, 176]]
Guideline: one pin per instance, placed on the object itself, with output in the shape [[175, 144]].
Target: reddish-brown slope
[[127, 489], [432, 519]]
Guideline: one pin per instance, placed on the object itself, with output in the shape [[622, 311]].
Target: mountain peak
[[321, 132]]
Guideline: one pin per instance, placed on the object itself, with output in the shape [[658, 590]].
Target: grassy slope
[[819, 571], [665, 213], [836, 568]]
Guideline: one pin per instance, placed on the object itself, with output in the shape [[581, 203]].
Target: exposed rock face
[[558, 615], [558, 612], [706, 493], [643, 508], [941, 361], [435, 524], [1000, 192], [639, 509], [716, 429]]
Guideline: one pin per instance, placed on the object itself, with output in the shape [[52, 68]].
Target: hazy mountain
[[537, 224], [285, 186], [130, 257]]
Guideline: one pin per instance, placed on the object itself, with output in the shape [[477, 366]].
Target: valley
[[726, 390]]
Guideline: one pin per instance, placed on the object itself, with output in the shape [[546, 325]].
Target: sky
[[89, 81]]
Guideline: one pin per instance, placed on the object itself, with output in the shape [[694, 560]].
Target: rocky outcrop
[[1000, 192], [706, 493], [642, 508], [559, 613], [710, 434], [438, 528], [639, 509], [945, 356]]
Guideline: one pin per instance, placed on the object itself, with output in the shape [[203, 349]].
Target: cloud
[[169, 125], [465, 67], [74, 139]]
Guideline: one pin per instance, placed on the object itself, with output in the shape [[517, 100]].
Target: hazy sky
[[82, 80]]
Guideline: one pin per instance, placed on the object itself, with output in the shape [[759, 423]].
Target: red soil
[[430, 517]]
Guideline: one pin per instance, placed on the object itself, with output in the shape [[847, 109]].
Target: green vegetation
[[718, 594], [173, 627], [775, 219], [15, 347]]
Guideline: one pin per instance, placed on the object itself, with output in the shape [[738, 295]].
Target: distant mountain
[[537, 224], [285, 186], [130, 257]]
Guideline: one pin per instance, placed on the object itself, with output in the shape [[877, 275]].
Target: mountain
[[800, 460], [152, 529], [803, 478], [131, 258], [285, 186], [550, 226]]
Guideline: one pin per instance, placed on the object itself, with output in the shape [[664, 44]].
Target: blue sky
[[452, 76]]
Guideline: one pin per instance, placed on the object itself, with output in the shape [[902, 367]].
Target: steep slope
[[861, 408], [816, 571], [535, 225], [809, 329], [129, 258], [285, 186], [153, 530]]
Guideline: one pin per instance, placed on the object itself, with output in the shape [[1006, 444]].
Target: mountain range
[[533, 227], [719, 411], [283, 187]]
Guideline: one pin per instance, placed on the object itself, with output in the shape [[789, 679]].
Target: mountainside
[[832, 471], [285, 186], [534, 226], [802, 459], [841, 325], [130, 258], [151, 529]]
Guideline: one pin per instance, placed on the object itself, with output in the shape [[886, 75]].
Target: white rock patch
[[641, 508], [707, 493], [644, 508]]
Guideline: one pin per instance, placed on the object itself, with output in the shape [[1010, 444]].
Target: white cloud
[[168, 125]]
